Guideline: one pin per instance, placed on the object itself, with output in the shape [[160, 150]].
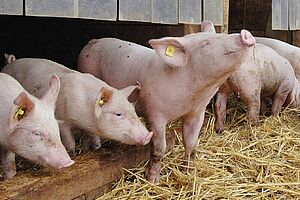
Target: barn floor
[[244, 162]]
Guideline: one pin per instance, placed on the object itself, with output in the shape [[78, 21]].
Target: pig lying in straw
[[84, 102], [178, 77], [29, 127], [264, 74]]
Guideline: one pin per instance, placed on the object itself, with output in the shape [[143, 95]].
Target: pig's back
[[290, 52], [119, 63], [34, 74], [274, 69]]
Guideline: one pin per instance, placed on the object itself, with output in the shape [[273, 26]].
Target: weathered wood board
[[97, 9], [213, 10], [135, 10], [11, 7], [190, 11], [165, 11], [280, 17]]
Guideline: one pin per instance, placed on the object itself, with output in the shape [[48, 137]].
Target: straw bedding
[[244, 162]]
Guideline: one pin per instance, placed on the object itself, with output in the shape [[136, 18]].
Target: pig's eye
[[118, 114], [37, 133]]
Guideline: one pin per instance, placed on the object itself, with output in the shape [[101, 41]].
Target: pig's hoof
[[96, 146], [219, 129], [8, 175], [71, 153], [152, 176]]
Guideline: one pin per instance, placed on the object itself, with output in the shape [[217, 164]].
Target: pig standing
[[290, 52], [29, 127], [84, 102], [178, 78], [264, 74]]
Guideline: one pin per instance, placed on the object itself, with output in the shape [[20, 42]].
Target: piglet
[[84, 102], [29, 127]]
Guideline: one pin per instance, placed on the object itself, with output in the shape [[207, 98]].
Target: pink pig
[[178, 79], [29, 127], [290, 52], [263, 76], [84, 102]]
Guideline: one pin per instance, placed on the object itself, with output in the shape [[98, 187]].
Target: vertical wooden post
[[296, 38], [224, 28]]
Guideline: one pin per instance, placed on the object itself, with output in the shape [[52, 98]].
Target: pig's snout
[[65, 164], [145, 140], [247, 38]]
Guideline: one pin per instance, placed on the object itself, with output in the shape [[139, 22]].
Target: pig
[[29, 127], [84, 102], [263, 76], [290, 52], [178, 78]]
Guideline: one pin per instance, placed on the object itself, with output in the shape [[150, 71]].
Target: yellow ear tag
[[170, 50], [19, 114], [101, 102]]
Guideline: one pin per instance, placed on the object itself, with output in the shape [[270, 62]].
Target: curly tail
[[9, 58]]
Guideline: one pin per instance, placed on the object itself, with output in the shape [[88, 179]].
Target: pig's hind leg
[[8, 163], [280, 96], [192, 124], [220, 106]]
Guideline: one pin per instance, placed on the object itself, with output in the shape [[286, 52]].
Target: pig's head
[[33, 129], [208, 53], [116, 117]]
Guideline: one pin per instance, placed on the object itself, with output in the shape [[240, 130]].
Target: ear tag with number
[[170, 50], [101, 102], [20, 113]]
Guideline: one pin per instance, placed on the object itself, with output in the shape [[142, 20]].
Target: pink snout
[[144, 140], [65, 164], [247, 38]]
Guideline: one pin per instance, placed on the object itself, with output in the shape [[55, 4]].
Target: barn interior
[[61, 39]]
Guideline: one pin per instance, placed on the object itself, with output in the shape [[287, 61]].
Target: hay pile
[[244, 162]]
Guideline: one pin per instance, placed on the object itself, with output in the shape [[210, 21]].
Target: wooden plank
[[190, 11], [90, 176], [98, 9], [165, 11], [224, 28], [11, 7], [294, 14], [280, 15], [54, 8], [213, 10], [296, 38], [135, 10]]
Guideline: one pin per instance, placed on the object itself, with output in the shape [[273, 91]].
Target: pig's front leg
[[8, 163], [157, 148], [67, 137], [90, 141], [192, 124]]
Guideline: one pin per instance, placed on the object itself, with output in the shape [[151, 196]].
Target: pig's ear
[[128, 90], [9, 58], [50, 97], [171, 50], [23, 106], [104, 97], [207, 26]]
